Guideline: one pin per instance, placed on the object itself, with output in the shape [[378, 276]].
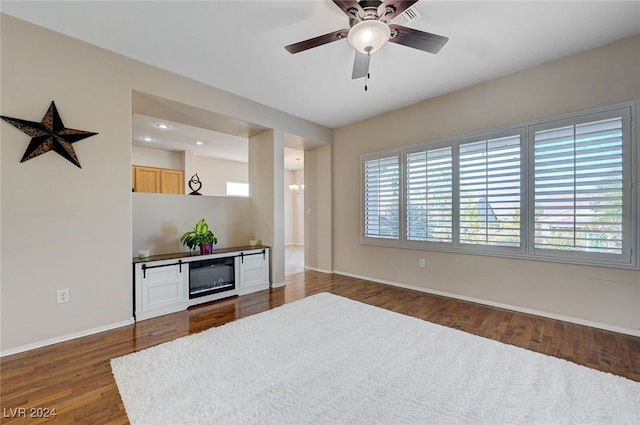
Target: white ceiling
[[182, 137], [238, 46]]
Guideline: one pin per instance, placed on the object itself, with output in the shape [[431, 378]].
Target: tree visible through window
[[490, 192], [429, 179]]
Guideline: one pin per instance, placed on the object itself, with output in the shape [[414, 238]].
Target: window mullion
[[402, 210], [575, 185], [527, 193], [486, 189], [455, 214]]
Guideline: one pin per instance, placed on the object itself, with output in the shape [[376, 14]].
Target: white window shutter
[[382, 197], [579, 187], [490, 192], [429, 195]]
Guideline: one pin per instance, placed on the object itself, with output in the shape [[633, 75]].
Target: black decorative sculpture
[[49, 135], [195, 180]]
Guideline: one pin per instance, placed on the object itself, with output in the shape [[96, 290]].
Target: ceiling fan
[[370, 28]]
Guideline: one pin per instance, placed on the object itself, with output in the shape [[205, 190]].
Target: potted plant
[[200, 236]]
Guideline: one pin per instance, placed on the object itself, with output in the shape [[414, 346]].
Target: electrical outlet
[[421, 263], [63, 296]]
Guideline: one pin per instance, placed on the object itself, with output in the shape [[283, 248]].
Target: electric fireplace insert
[[212, 276]]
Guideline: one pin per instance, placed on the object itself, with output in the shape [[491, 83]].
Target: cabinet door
[[160, 290], [172, 181], [146, 179], [254, 272]]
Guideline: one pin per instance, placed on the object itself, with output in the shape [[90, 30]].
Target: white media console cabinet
[[168, 283]]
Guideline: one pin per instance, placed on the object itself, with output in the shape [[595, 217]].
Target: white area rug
[[329, 360]]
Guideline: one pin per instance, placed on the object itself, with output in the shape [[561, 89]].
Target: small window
[[237, 189]]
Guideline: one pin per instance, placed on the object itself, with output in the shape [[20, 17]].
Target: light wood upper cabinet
[[146, 179], [157, 180], [172, 181]]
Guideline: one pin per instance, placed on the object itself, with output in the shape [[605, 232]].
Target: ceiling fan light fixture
[[369, 36]]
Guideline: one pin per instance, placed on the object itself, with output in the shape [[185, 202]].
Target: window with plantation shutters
[[579, 174], [490, 192], [556, 189], [381, 177], [429, 195]]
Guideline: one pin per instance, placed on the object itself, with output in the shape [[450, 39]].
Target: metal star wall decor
[[49, 134]]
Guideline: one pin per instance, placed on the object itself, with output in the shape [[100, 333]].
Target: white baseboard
[[315, 269], [277, 285], [570, 319], [63, 338]]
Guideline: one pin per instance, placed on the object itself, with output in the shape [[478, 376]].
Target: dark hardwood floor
[[75, 379]]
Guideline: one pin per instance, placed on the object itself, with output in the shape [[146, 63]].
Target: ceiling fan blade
[[360, 65], [347, 6], [399, 6], [317, 41], [425, 41]]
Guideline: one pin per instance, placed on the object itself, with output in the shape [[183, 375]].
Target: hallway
[[293, 259]]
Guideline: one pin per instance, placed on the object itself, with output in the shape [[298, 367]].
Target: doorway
[[294, 210]]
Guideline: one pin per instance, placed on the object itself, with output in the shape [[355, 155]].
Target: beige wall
[[149, 157], [606, 296], [160, 219], [64, 227], [266, 190], [214, 173], [319, 216]]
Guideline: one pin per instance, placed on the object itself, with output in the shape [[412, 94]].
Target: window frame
[[627, 190], [631, 196], [496, 134], [427, 244], [364, 238]]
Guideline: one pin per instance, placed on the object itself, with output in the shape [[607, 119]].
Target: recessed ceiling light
[[163, 126], [146, 139], [198, 142]]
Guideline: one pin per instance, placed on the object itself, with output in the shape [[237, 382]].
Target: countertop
[[196, 253]]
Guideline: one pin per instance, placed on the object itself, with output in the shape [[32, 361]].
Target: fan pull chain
[[366, 78]]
